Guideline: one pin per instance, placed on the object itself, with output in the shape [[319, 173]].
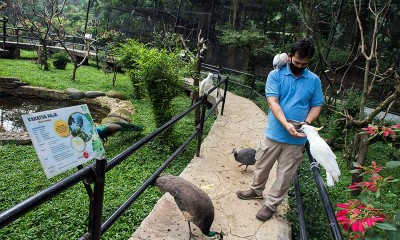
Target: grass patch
[[88, 77], [66, 216]]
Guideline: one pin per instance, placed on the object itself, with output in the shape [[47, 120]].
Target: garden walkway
[[217, 173]]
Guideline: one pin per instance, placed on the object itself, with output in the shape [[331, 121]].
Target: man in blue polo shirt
[[293, 93]]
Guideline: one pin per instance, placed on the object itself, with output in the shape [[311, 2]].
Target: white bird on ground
[[206, 84], [322, 153], [280, 60]]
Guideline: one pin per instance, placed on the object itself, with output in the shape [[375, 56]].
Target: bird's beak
[[318, 128]]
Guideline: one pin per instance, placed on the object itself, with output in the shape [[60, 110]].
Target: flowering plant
[[374, 131], [367, 217]]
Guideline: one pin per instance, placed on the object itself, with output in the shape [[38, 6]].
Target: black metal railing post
[[323, 195], [98, 197], [86, 183], [201, 124], [253, 84], [4, 20], [300, 210], [225, 90]]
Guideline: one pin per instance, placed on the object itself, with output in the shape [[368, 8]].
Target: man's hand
[[292, 131]]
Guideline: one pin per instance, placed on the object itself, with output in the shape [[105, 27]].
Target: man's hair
[[304, 48]]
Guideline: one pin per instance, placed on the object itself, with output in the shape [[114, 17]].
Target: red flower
[[357, 217], [370, 186], [387, 131], [371, 130], [396, 126]]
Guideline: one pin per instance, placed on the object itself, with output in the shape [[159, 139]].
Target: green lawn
[[66, 216]]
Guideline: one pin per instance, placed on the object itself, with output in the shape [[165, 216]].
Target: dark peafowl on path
[[107, 129], [193, 202], [246, 156]]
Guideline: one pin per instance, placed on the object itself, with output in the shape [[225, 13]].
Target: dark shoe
[[249, 194], [265, 213]]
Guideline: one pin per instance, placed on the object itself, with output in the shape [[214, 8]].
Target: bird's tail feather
[[329, 180], [126, 126]]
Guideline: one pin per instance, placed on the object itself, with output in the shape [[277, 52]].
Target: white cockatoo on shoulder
[[206, 84], [280, 60], [322, 153]]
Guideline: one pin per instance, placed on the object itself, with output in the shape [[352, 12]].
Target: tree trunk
[[204, 20], [358, 153], [365, 90], [42, 54], [234, 19], [74, 71], [234, 15]]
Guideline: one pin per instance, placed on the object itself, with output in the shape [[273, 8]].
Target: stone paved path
[[217, 173]]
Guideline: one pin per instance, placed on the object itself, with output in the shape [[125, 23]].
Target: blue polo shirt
[[296, 96]]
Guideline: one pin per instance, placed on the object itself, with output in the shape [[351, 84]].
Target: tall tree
[[39, 16], [369, 45]]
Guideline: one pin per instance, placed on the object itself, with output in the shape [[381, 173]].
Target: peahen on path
[[246, 156], [108, 129], [193, 202]]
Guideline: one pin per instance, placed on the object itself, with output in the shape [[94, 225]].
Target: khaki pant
[[289, 157]]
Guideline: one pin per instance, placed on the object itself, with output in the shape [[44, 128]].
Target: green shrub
[[128, 53], [158, 72], [60, 60], [128, 56], [139, 90]]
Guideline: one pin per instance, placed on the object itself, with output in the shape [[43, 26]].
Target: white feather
[[280, 60], [329, 180], [206, 84], [323, 154]]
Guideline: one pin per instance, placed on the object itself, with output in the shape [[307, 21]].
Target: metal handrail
[[299, 208], [96, 172], [323, 196]]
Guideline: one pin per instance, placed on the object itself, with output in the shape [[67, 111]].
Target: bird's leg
[[242, 165], [190, 232]]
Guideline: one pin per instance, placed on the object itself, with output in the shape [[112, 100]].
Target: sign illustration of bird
[[280, 60], [246, 156], [322, 153], [108, 129], [206, 84], [193, 202]]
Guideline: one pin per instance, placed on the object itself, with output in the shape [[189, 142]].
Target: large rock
[[75, 93], [94, 94]]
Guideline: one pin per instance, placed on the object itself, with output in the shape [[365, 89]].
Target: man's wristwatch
[[307, 122]]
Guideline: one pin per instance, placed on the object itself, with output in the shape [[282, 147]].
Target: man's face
[[298, 62]]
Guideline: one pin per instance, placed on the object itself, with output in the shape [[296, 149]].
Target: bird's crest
[[310, 127], [318, 128]]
